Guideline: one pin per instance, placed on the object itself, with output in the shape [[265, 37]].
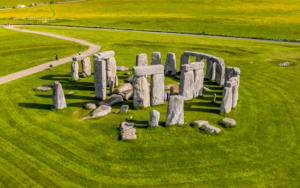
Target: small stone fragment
[[90, 106], [124, 109], [284, 64], [43, 88], [70, 93], [228, 121], [206, 89]]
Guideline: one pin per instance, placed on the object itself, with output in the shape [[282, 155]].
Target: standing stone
[[213, 77], [124, 108], [154, 118], [198, 78], [141, 60], [116, 81], [157, 91], [185, 59], [209, 69], [175, 112], [171, 90], [186, 87], [226, 100], [170, 64], [156, 58], [100, 77], [86, 67], [220, 73], [215, 97], [232, 72], [141, 92], [58, 96], [111, 68], [74, 70], [235, 91], [111, 87]]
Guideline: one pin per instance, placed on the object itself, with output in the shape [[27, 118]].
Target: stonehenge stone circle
[[186, 87], [156, 58], [175, 112], [74, 70], [170, 65], [141, 60], [141, 92], [58, 96], [154, 118], [124, 108], [157, 85]]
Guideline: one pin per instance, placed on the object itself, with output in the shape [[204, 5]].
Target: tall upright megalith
[[185, 59], [141, 60], [111, 70], [220, 71], [186, 87], [175, 112], [156, 58], [100, 77], [86, 67], [209, 69], [170, 65], [141, 92], [198, 78], [74, 70], [226, 100], [58, 96]]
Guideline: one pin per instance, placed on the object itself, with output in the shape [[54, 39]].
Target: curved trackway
[[93, 49]]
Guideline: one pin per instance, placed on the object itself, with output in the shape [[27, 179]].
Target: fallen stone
[[200, 123], [90, 106], [206, 88], [127, 131], [70, 93], [284, 64], [124, 109], [58, 96], [154, 118], [114, 99], [210, 128], [129, 79], [122, 68], [123, 88], [175, 112], [43, 88], [126, 126], [102, 110], [229, 121]]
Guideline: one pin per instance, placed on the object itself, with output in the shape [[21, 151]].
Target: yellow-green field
[[254, 19]]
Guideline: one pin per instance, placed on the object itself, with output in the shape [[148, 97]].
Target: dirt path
[[92, 50]]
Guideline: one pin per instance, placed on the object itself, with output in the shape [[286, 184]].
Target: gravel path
[[92, 50]]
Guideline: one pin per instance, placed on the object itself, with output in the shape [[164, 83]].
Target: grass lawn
[[40, 147], [254, 19], [19, 51]]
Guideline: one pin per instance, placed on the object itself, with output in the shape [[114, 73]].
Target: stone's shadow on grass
[[140, 124], [198, 106], [56, 77], [69, 97], [36, 106], [78, 87], [215, 88]]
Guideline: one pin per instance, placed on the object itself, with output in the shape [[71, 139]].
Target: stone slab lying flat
[[211, 128], [200, 123]]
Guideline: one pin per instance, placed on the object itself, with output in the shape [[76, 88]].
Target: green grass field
[[19, 51], [278, 20], [40, 147]]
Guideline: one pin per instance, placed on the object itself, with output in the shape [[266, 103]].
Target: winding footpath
[[92, 50]]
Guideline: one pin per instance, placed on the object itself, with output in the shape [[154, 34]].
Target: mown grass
[[21, 51], [40, 147], [278, 20]]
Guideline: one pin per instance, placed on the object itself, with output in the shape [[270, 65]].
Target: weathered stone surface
[[284, 64], [148, 70], [111, 70], [186, 87], [114, 99], [79, 57], [175, 112], [102, 110], [141, 60], [157, 89], [220, 73], [226, 100], [129, 79], [116, 81], [154, 118], [100, 77], [209, 69], [211, 128], [43, 88], [200, 123], [198, 78], [188, 53], [74, 70], [111, 86], [185, 59], [170, 65], [105, 55], [124, 109], [235, 95], [172, 90], [128, 94], [86, 67], [123, 88], [90, 106], [156, 58], [128, 132], [58, 96], [141, 92], [232, 72], [229, 121], [122, 68]]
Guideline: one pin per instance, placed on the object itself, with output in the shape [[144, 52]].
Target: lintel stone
[[147, 70]]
